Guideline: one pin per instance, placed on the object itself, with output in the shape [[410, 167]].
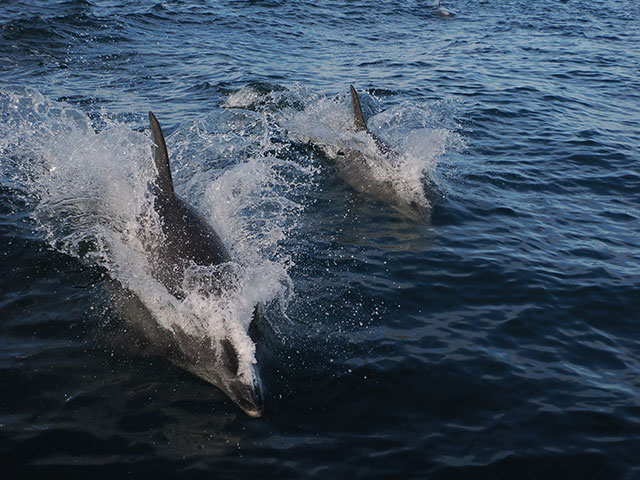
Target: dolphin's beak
[[248, 397], [254, 413]]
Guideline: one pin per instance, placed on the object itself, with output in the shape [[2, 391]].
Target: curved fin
[[161, 158], [358, 117]]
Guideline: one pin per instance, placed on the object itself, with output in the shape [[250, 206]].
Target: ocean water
[[498, 339]]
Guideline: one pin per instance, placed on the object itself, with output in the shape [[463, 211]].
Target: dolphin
[[374, 174], [440, 11], [189, 239]]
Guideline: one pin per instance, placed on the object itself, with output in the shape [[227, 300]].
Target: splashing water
[[91, 197], [417, 134], [92, 201]]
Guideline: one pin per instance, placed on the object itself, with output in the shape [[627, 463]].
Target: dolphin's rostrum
[[189, 240]]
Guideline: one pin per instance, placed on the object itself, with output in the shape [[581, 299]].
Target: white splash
[[418, 134], [92, 201]]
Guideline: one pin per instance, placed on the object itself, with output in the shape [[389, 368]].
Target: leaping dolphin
[[375, 173], [189, 239]]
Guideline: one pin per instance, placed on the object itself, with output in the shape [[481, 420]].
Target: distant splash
[[90, 198]]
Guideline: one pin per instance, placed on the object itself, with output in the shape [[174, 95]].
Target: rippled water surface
[[498, 339]]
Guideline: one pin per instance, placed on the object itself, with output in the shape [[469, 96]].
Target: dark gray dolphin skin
[[357, 169], [187, 237]]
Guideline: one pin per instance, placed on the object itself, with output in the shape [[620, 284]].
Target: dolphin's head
[[220, 363], [239, 381]]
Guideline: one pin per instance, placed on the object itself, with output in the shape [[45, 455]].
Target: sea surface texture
[[497, 338]]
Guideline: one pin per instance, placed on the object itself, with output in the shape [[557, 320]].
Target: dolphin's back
[[361, 124], [187, 235]]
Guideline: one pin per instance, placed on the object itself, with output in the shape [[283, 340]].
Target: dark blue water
[[498, 340]]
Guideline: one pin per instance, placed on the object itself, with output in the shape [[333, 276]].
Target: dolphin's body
[[372, 173], [187, 240]]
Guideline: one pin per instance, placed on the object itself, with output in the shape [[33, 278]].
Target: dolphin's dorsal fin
[[161, 158], [358, 117]]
